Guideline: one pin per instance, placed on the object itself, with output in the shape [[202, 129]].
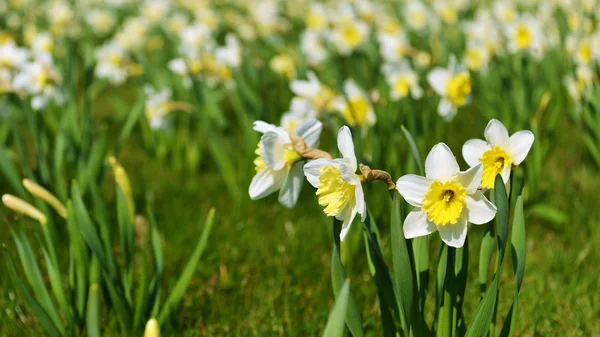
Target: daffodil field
[[299, 168]]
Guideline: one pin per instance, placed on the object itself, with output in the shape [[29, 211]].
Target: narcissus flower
[[355, 106], [453, 84], [338, 186], [499, 153], [278, 166], [445, 200]]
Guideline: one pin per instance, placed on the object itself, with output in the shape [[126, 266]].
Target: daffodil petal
[[520, 144], [292, 185], [264, 127], [438, 79], [346, 145], [440, 163], [361, 206], [496, 134], [310, 132], [416, 224], [272, 150], [471, 178], [454, 235], [266, 182], [347, 218], [312, 168], [480, 209], [413, 188], [473, 150]]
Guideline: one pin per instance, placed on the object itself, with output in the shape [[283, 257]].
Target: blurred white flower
[[278, 166], [402, 81], [453, 84], [101, 20], [355, 106], [39, 79]]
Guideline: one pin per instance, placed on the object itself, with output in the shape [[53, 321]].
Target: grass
[[266, 271]]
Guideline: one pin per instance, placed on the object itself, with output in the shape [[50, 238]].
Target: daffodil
[[313, 47], [453, 84], [525, 34], [417, 15], [445, 200], [348, 34], [338, 186], [159, 105], [319, 96], [499, 153], [284, 65], [355, 106], [40, 79], [402, 80], [278, 165]]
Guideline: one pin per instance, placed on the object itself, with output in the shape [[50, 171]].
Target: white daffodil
[[101, 21], [446, 199], [319, 96], [403, 81], [157, 106], [313, 48], [525, 34], [316, 20], [278, 166], [477, 57], [338, 186], [112, 63], [231, 53], [12, 56], [394, 48], [39, 79], [355, 106], [348, 34], [416, 14], [453, 84], [499, 153]]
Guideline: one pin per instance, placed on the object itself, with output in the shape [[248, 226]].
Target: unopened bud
[[152, 328], [45, 195], [21, 206], [123, 181]]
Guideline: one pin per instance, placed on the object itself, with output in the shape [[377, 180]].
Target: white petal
[[312, 168], [346, 145], [266, 182], [446, 109], [413, 188], [454, 235], [519, 145], [473, 150], [471, 178], [496, 134], [416, 224], [347, 217], [292, 185], [263, 127], [438, 79], [361, 205], [310, 131], [440, 163], [480, 209], [272, 150]]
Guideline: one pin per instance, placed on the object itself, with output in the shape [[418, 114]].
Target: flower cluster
[[445, 200]]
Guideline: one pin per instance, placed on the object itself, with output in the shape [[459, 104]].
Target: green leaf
[[338, 278], [37, 310], [385, 289], [34, 277], [549, 212], [335, 323], [9, 170], [92, 317], [403, 272], [185, 278], [126, 232], [134, 115], [57, 288], [485, 256], [414, 149]]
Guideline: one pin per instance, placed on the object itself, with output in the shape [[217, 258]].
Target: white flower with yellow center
[[394, 48], [39, 79], [402, 80], [446, 11], [111, 65], [525, 34], [283, 65], [416, 15], [231, 53], [318, 96], [101, 21], [476, 57], [316, 20], [355, 106], [313, 48], [159, 105], [445, 200], [505, 12], [348, 34], [499, 153], [154, 10], [278, 166], [12, 56], [453, 84], [338, 186]]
